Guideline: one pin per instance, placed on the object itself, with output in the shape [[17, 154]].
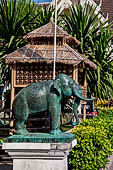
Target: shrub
[[104, 120], [2, 140], [92, 149], [105, 112], [94, 142], [105, 125]]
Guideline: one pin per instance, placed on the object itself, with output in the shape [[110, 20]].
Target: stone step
[[4, 157]]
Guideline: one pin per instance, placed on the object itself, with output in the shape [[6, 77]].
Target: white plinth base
[[39, 156], [39, 164]]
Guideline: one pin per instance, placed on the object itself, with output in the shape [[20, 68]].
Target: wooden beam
[[20, 85]]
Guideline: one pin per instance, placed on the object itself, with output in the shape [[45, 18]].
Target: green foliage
[[84, 23], [104, 123], [2, 140], [94, 142], [106, 119], [45, 14], [17, 18], [101, 81]]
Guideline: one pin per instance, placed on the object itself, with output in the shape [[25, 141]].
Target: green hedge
[[94, 142]]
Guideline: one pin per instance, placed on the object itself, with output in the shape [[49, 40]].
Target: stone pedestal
[[33, 155]]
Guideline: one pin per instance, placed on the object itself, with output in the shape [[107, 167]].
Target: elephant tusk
[[82, 98], [74, 123]]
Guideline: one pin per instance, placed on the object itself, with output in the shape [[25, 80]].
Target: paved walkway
[[109, 166]]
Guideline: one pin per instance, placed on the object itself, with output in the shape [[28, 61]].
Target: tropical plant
[[85, 24], [100, 103], [82, 23], [101, 81], [17, 18], [44, 15]]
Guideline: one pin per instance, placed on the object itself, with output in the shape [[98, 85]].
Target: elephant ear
[[57, 85]]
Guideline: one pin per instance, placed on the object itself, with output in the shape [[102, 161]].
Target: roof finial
[[51, 19]]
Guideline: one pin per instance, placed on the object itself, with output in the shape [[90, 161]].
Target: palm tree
[[101, 81], [44, 15], [81, 23], [17, 18], [95, 39]]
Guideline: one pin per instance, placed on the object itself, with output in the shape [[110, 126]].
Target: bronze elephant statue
[[46, 96]]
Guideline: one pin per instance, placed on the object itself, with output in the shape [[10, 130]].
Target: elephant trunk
[[78, 95], [76, 104]]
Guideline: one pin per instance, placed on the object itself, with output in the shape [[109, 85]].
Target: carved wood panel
[[35, 72]]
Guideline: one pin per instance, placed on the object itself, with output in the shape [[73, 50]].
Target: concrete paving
[[109, 166]]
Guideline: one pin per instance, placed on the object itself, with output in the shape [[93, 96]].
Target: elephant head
[[67, 87]]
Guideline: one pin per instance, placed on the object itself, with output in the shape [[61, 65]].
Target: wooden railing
[[40, 124]]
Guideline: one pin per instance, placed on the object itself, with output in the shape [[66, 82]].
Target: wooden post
[[12, 85], [85, 88], [12, 91], [75, 73], [75, 77], [85, 80], [84, 112]]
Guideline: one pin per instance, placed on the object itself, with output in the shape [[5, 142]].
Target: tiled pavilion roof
[[48, 31], [43, 52]]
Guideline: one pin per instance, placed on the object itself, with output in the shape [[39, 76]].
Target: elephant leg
[[54, 112], [20, 127], [21, 118]]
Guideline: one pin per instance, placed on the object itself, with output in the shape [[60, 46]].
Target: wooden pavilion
[[34, 61]]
